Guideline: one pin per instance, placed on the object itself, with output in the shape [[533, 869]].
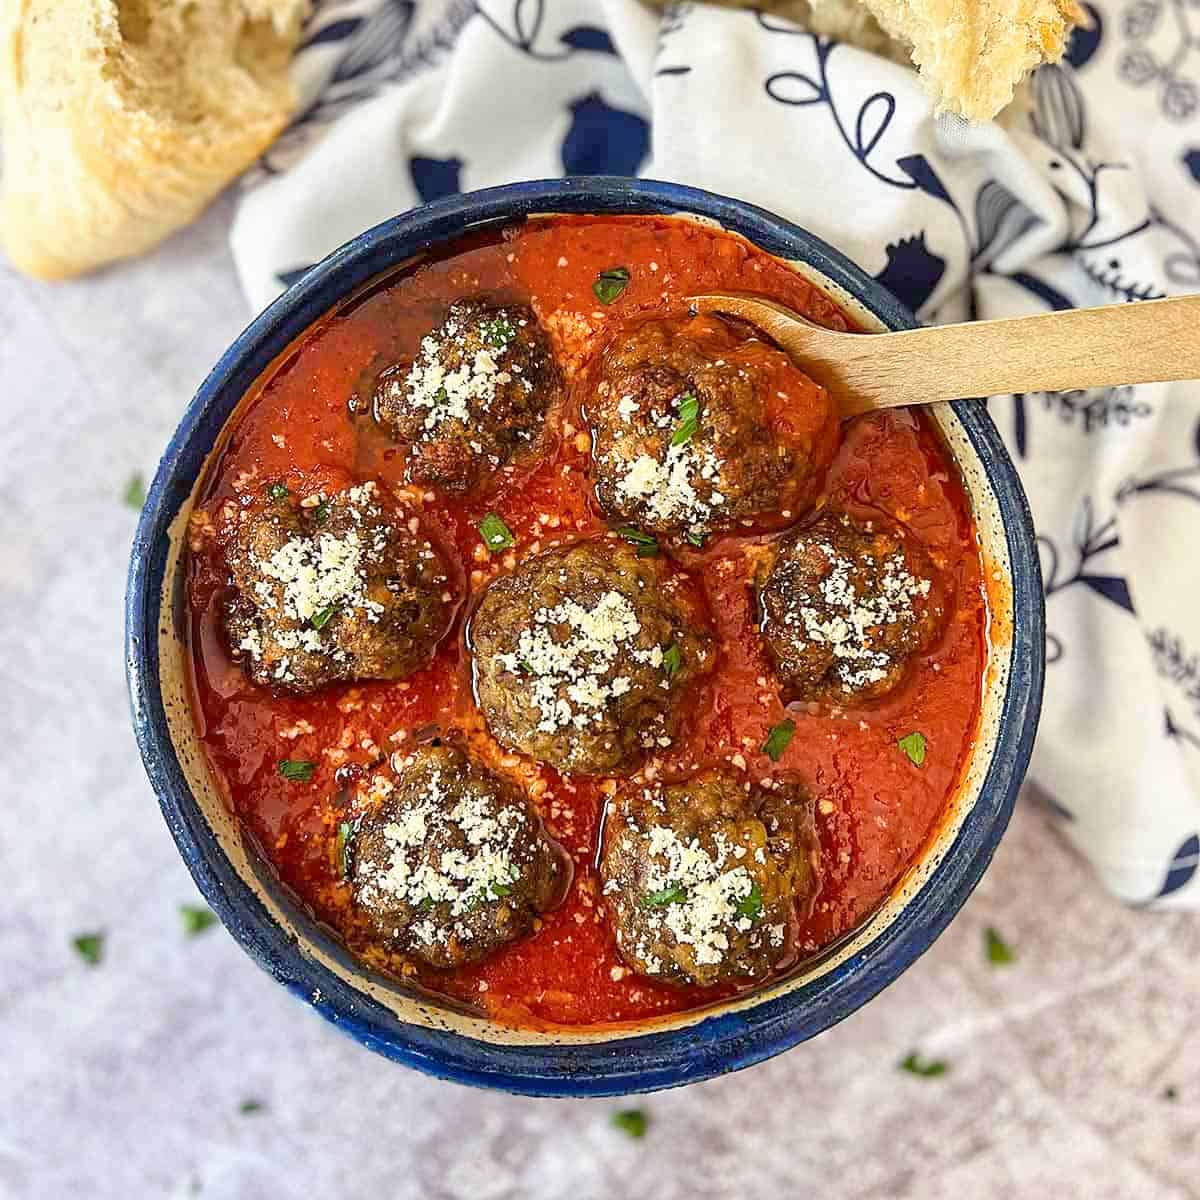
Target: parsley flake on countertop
[[196, 919], [135, 491], [927, 1068], [297, 770], [913, 744], [999, 952], [89, 947], [610, 284], [247, 1107], [647, 545], [632, 1121], [689, 419], [496, 535], [779, 739]]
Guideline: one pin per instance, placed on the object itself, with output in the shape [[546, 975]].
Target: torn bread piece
[[971, 54], [122, 119]]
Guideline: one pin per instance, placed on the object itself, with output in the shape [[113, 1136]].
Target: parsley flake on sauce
[[195, 919], [750, 905], [90, 947], [496, 535], [631, 1121], [321, 512], [135, 491], [779, 739], [647, 546], [927, 1068], [321, 619], [673, 893], [610, 284], [696, 539], [689, 419], [297, 770], [913, 744], [278, 491], [248, 1107], [999, 952], [672, 660]]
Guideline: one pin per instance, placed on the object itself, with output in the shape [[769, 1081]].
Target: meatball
[[583, 654], [474, 399], [704, 877], [336, 591], [846, 605], [699, 425], [449, 863]]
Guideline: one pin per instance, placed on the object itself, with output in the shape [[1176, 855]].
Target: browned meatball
[[450, 863], [699, 425], [846, 605], [475, 398], [583, 654], [703, 878], [336, 591]]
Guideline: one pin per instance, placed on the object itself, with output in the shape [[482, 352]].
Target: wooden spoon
[[1142, 342]]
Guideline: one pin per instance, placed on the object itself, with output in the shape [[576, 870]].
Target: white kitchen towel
[[1087, 193]]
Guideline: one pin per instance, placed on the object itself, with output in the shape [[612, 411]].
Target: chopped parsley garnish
[[999, 952], [631, 1121], [689, 419], [673, 893], [195, 919], [135, 491], [779, 739], [278, 491], [321, 512], [697, 539], [610, 284], [525, 666], [501, 889], [913, 744], [342, 849], [672, 660], [497, 333], [247, 1107], [647, 546], [496, 535], [321, 619], [89, 947], [928, 1068], [750, 905], [441, 396], [297, 770]]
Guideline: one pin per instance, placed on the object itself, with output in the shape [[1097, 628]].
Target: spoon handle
[[1142, 342]]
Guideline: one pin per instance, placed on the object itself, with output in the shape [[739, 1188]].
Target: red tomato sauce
[[875, 809]]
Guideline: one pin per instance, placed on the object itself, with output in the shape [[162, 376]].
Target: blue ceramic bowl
[[281, 937]]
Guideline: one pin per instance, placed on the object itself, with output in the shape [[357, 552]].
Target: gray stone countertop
[[126, 1079]]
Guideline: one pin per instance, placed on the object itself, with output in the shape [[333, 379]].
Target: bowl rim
[[660, 1058]]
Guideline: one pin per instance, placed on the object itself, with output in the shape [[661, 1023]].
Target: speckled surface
[[125, 1079]]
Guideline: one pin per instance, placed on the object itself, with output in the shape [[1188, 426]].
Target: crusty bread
[[122, 119], [971, 53]]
